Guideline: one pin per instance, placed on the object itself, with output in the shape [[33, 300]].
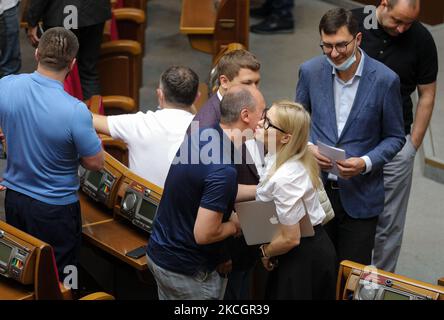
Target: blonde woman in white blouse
[[300, 268]]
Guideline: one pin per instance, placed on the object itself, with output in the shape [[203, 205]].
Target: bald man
[[186, 245], [407, 47]]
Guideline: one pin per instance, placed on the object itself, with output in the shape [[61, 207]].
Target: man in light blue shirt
[[48, 134]]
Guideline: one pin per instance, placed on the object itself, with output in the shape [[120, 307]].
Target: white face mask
[[346, 64]]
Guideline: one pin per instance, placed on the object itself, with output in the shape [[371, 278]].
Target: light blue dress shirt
[[344, 94]]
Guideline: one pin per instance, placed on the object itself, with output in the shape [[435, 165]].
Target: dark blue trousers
[[59, 226]]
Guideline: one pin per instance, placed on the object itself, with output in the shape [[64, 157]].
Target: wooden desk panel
[[117, 239], [11, 290], [198, 17], [93, 212]]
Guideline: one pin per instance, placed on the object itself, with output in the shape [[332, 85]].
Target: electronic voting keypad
[[16, 257], [102, 186], [359, 282], [137, 201]]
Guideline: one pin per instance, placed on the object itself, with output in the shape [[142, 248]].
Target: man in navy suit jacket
[[355, 104]]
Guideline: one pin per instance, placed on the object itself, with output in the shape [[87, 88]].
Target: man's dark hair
[[179, 85], [57, 48], [335, 19]]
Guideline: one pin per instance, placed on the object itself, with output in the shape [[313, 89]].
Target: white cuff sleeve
[[368, 164]]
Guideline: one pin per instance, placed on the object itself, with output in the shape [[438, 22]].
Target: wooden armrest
[[117, 46], [131, 14], [126, 104], [94, 104], [98, 296], [441, 282]]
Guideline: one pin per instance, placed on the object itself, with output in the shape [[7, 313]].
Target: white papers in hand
[[334, 154]]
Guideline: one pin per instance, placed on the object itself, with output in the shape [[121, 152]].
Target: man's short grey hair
[[411, 3], [233, 102]]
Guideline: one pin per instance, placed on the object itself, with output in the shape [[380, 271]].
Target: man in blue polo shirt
[[48, 134], [195, 213]]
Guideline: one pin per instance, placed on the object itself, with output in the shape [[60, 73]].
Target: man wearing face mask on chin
[[355, 105]]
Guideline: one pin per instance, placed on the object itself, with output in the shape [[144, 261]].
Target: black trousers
[[90, 40], [282, 8], [353, 239], [306, 272], [59, 226]]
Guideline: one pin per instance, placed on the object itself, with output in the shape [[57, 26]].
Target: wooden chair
[[116, 148], [119, 69], [139, 4], [441, 281], [39, 280], [114, 105], [131, 24], [210, 29], [111, 105]]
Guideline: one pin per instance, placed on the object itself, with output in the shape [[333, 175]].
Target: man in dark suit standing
[[86, 18], [355, 105], [235, 67]]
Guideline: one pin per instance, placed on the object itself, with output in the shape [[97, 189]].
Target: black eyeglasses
[[340, 47], [267, 122]]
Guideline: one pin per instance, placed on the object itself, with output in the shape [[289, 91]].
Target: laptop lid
[[259, 222]]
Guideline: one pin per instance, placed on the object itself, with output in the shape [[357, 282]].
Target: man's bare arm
[[209, 227], [424, 112], [101, 124]]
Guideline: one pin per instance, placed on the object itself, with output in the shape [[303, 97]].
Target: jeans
[[10, 59], [175, 286]]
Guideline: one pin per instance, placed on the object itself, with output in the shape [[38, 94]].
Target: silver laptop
[[259, 222]]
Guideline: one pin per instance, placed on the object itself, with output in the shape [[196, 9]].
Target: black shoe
[[274, 24]]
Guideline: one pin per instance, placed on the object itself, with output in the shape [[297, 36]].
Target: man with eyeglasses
[[355, 105], [404, 45]]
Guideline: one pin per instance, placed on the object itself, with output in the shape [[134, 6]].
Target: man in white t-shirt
[[153, 138]]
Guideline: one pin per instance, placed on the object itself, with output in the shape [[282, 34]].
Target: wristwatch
[[262, 252]]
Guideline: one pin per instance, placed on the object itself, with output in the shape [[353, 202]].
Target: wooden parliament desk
[[12, 290], [197, 21], [110, 235], [210, 29]]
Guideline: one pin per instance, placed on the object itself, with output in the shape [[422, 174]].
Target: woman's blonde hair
[[292, 118]]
